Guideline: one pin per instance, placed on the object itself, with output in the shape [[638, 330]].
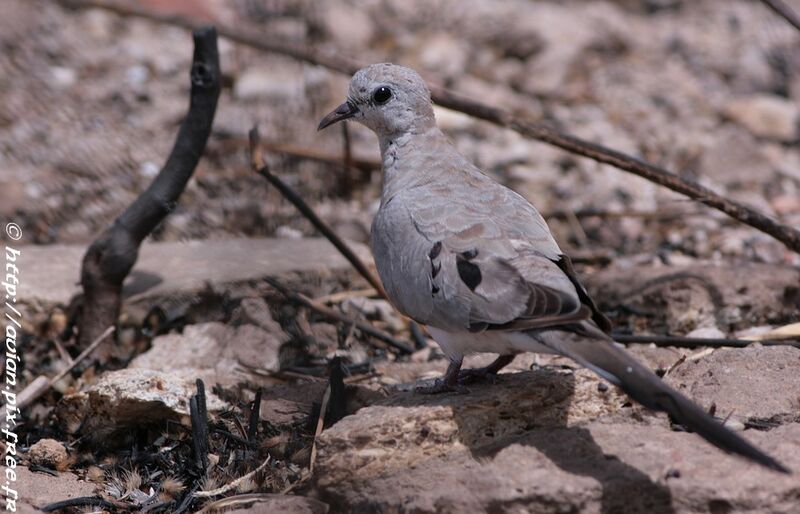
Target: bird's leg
[[471, 375], [447, 383]]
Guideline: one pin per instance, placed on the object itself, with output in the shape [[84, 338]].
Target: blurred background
[[90, 102]]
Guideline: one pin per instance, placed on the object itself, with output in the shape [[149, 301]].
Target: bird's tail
[[595, 350]]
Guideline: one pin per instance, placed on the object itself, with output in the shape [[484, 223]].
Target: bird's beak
[[344, 111]]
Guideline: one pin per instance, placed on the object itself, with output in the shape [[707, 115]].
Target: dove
[[475, 263]]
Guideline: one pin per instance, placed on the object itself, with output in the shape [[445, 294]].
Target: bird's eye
[[382, 95]]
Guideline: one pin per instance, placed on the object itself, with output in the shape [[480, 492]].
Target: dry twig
[[360, 164], [784, 10], [40, 385], [338, 316], [789, 236], [249, 501], [259, 166], [341, 296], [696, 342], [231, 486], [83, 501], [320, 424]]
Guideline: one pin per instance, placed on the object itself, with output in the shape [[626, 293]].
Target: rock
[[444, 53], [130, 397], [137, 75], [656, 358], [287, 232], [531, 444], [215, 352], [736, 157], [52, 272], [562, 40], [63, 77], [50, 454], [497, 93], [683, 298], [285, 405], [375, 309], [39, 489], [350, 27], [767, 116], [376, 439], [255, 311], [757, 382], [786, 204], [273, 83], [285, 504], [421, 356]]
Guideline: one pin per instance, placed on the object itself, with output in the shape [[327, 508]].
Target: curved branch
[[785, 11], [789, 236], [112, 255], [334, 61]]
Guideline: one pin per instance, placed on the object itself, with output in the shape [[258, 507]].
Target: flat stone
[[526, 444], [767, 116], [755, 383], [375, 440], [51, 273], [39, 489], [285, 405], [131, 397], [597, 468], [214, 352]]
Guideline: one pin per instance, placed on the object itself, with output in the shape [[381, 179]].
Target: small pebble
[[50, 454]]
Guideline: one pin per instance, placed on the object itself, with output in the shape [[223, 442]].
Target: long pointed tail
[[597, 351]]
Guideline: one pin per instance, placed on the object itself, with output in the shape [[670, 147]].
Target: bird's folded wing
[[500, 283]]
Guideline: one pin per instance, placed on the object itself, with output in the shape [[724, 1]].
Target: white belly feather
[[457, 344]]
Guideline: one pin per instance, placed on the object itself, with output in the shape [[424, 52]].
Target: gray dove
[[476, 264]]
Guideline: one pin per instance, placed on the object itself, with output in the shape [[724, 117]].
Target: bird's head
[[389, 99]]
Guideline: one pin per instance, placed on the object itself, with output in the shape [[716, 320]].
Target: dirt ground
[[90, 102]]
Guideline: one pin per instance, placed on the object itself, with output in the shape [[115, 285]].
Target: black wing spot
[[434, 289], [437, 248], [470, 254], [470, 273]]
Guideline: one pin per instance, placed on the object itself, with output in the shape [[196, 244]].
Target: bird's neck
[[411, 159]]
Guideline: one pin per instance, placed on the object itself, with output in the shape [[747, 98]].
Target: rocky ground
[[89, 105]]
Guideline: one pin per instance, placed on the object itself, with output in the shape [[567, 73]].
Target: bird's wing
[[491, 258]]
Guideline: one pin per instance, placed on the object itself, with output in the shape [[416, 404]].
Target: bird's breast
[[400, 258]]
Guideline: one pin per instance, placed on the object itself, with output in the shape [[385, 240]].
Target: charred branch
[[113, 254]]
